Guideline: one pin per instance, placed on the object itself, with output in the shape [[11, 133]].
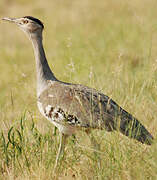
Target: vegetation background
[[108, 45]]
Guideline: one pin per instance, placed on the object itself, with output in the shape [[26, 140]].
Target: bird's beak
[[14, 20]]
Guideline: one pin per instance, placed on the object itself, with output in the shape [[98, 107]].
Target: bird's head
[[28, 24]]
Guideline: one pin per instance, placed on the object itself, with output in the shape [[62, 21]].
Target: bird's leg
[[62, 143]]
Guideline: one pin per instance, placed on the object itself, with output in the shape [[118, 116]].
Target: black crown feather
[[35, 19]]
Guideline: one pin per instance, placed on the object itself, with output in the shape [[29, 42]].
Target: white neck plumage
[[44, 72]]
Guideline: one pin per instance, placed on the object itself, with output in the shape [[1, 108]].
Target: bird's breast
[[57, 116]]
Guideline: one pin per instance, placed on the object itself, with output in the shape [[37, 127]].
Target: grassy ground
[[109, 45]]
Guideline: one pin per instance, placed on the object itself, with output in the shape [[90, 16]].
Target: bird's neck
[[43, 70]]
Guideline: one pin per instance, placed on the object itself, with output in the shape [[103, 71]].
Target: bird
[[73, 107]]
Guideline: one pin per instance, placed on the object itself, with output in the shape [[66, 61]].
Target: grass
[[109, 45]]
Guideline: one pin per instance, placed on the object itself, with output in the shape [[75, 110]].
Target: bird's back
[[85, 106], [73, 106]]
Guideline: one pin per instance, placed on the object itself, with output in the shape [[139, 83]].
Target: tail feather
[[132, 128]]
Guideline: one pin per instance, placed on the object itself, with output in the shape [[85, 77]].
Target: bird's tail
[[131, 127]]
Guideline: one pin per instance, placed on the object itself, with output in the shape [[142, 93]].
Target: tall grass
[[108, 45]]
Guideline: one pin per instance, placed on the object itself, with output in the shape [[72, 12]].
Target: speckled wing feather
[[84, 103], [86, 107]]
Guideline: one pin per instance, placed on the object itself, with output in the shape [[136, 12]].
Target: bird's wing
[[79, 105]]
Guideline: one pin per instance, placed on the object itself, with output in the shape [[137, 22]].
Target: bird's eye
[[25, 21]]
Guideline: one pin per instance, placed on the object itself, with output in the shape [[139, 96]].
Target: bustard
[[72, 107]]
